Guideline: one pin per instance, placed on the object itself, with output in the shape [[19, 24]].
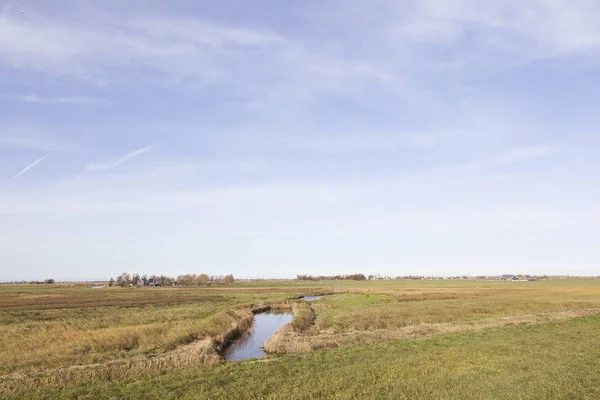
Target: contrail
[[27, 168], [115, 162]]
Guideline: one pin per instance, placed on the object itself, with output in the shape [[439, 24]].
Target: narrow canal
[[310, 298], [249, 345]]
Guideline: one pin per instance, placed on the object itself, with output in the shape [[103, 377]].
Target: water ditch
[[310, 298], [249, 345], [265, 324]]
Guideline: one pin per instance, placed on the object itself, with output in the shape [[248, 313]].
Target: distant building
[[520, 278], [140, 283]]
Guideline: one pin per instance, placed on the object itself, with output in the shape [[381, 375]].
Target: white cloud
[[419, 36], [176, 46], [489, 167], [192, 31], [521, 154], [4, 14], [499, 33], [346, 143], [158, 190], [546, 28], [395, 220], [171, 50], [34, 98], [115, 162], [26, 135], [476, 169], [32, 143]]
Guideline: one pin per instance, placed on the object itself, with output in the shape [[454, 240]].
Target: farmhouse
[[520, 278]]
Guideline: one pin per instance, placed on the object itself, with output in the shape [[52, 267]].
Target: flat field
[[383, 339]]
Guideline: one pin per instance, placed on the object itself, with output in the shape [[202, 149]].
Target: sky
[[270, 138]]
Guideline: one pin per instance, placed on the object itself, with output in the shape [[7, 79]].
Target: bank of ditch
[[199, 351], [205, 351], [293, 338]]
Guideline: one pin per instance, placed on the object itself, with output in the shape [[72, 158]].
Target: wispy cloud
[[510, 33], [34, 136], [355, 123], [27, 141], [343, 143], [27, 168], [179, 49], [34, 98], [115, 162], [523, 154], [34, 143], [4, 12], [165, 45]]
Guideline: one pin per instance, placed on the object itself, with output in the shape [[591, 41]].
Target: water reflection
[[311, 298], [249, 345]]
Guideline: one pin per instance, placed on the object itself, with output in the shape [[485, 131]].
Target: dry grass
[[76, 334], [287, 340], [53, 327], [291, 338], [304, 316], [373, 313], [391, 309], [206, 352], [557, 360]]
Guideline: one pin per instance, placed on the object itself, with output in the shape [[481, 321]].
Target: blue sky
[[279, 138]]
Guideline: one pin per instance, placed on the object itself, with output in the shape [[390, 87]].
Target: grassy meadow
[[381, 339]]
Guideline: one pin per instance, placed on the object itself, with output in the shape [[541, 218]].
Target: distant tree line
[[361, 277], [44, 282], [457, 277], [352, 277], [127, 279]]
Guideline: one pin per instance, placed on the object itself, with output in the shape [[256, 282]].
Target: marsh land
[[396, 339]]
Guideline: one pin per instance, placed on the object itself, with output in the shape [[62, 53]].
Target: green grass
[[554, 361], [390, 307], [55, 326], [369, 329]]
